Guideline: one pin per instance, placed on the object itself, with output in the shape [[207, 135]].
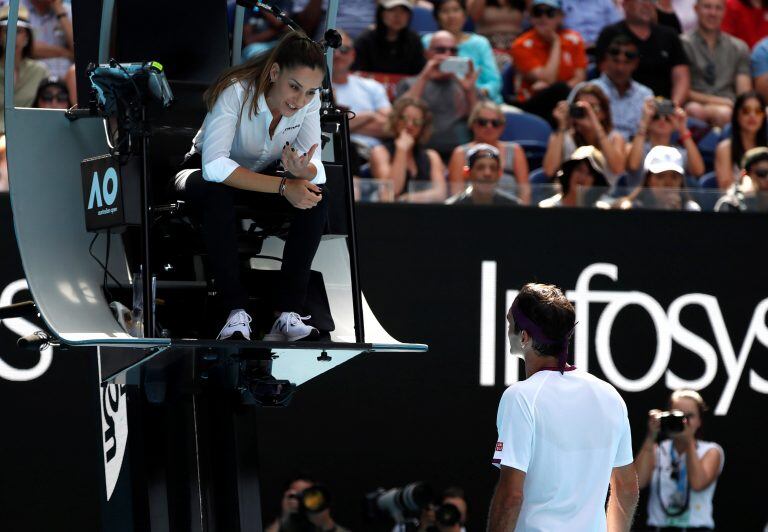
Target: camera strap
[[673, 510]]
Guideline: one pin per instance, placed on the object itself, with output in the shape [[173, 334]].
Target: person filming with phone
[[680, 469], [447, 85]]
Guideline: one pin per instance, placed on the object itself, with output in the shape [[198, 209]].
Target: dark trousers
[[216, 204]]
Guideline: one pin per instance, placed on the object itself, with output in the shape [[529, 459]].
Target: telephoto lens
[[672, 422]]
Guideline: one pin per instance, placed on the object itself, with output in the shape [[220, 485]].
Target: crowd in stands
[[428, 80]]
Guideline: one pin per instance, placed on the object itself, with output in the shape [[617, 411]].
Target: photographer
[[451, 515], [681, 470], [304, 508]]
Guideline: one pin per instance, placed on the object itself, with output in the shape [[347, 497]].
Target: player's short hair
[[547, 307]]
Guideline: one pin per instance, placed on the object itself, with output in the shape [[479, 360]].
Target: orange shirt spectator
[[531, 51], [745, 21]]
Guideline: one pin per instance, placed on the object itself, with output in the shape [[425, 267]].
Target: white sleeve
[[624, 449], [380, 98], [218, 133], [310, 134], [515, 426]]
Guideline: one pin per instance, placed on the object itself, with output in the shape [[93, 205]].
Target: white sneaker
[[290, 327], [238, 324]]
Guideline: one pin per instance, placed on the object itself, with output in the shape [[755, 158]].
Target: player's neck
[[534, 363]]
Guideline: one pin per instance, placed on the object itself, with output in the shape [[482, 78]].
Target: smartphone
[[455, 65], [577, 111], [665, 107]]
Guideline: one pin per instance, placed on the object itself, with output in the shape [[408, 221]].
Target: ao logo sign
[[21, 327], [667, 325], [104, 191]]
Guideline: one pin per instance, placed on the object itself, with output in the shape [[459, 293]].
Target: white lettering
[[22, 327], [667, 325]]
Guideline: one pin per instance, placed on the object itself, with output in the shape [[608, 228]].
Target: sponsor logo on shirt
[[499, 446], [291, 127]]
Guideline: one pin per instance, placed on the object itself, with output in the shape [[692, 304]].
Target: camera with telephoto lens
[[672, 422], [447, 514], [665, 107], [577, 111], [313, 500], [399, 504]]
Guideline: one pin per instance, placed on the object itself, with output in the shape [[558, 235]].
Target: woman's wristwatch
[[281, 188]]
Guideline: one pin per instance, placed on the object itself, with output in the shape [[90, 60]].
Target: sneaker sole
[[237, 335]]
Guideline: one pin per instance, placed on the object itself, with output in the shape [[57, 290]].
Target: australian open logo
[[104, 192], [114, 425]]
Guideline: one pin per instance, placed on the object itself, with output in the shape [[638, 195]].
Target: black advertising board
[[110, 192], [664, 299]]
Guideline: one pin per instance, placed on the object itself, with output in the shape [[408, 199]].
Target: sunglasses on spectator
[[543, 11], [752, 111], [629, 55], [445, 50], [485, 122], [762, 173], [412, 121], [51, 96]]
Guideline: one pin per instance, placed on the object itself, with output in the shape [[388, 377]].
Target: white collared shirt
[[229, 137]]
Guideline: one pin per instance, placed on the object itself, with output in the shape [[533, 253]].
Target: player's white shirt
[[566, 432]]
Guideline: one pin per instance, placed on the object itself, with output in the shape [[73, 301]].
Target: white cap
[[663, 158]]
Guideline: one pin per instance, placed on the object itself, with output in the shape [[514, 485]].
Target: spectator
[[3, 166], [391, 46], [487, 123], [483, 174], [262, 30], [548, 59], [584, 169], [588, 17], [403, 159], [746, 20], [500, 21], [750, 191], [625, 94], [293, 518], [367, 98], [664, 185], [451, 15], [681, 470], [454, 496], [29, 73], [666, 16], [584, 120], [759, 64], [748, 130], [660, 120], [51, 21], [685, 13], [663, 65], [52, 94], [719, 66], [449, 98], [355, 16]]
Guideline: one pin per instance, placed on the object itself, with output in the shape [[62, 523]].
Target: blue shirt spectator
[[588, 17], [759, 65]]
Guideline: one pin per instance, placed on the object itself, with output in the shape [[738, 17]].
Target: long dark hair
[[761, 139], [295, 49]]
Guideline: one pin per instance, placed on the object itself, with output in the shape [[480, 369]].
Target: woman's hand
[[654, 424], [594, 121], [649, 110], [302, 194], [297, 164], [561, 114], [680, 120], [405, 141]]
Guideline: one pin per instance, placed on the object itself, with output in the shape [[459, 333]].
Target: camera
[[399, 503], [447, 514], [455, 65], [313, 500], [672, 422], [665, 107], [576, 111]]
